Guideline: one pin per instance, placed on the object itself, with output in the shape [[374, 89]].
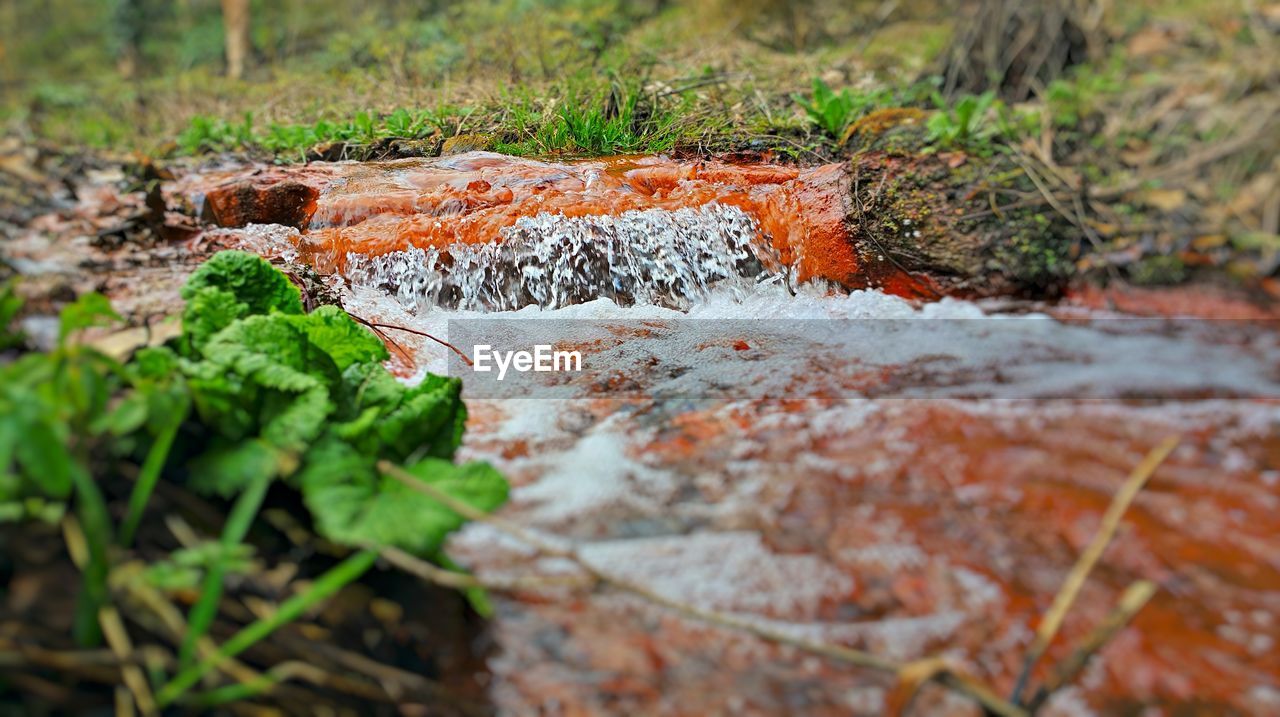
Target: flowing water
[[857, 466]]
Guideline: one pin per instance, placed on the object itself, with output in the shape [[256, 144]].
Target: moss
[[1033, 251], [1158, 270], [466, 143]]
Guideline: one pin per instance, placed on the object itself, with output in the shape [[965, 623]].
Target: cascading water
[[654, 256]]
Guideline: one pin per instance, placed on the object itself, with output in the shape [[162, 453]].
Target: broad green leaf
[[44, 458], [125, 417], [263, 375], [91, 309], [154, 363], [333, 331], [351, 504], [210, 310], [425, 420], [250, 279], [428, 422], [227, 470]]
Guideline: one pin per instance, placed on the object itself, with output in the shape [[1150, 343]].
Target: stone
[[269, 198]]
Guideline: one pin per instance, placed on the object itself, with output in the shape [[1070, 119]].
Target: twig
[[442, 342], [118, 640], [1134, 599], [325, 586], [124, 704], [172, 622], [462, 581], [911, 677], [1071, 587], [960, 683]]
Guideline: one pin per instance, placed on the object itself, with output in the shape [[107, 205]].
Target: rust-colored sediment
[[955, 527], [380, 207]]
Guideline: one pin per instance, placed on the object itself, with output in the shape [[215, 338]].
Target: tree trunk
[[235, 24]]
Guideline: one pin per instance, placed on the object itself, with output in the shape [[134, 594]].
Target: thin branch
[[118, 640], [462, 581], [1071, 587], [1134, 599], [442, 342]]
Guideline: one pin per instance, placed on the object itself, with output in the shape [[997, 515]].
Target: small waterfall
[[654, 256]]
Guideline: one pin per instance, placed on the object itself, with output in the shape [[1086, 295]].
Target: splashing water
[[653, 256]]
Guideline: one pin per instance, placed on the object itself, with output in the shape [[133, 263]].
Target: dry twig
[[1071, 587], [1134, 599]]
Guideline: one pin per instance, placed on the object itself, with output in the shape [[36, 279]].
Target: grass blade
[[97, 531], [293, 608], [147, 479], [233, 533]]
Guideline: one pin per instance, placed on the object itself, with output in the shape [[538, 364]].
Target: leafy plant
[[835, 111], [206, 134], [10, 305], [965, 124], [254, 393]]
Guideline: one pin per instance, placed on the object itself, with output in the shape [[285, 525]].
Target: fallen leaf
[[1166, 200]]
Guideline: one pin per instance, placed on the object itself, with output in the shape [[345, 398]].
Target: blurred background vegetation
[[111, 72], [1163, 114]]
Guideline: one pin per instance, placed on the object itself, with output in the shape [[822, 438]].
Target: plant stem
[[233, 533], [290, 610], [97, 528], [147, 479]]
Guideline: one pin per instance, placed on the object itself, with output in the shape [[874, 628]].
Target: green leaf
[[125, 417], [264, 376], [250, 279], [91, 309], [228, 470], [42, 453], [423, 420], [333, 331], [210, 310], [10, 305], [428, 422], [353, 505]]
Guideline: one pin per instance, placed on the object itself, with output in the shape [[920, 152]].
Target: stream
[[775, 425]]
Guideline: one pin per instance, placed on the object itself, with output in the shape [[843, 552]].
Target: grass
[[211, 134], [617, 118], [318, 81], [616, 115], [589, 119]]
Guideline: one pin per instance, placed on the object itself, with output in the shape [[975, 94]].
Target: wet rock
[[935, 215], [429, 147], [267, 198]]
